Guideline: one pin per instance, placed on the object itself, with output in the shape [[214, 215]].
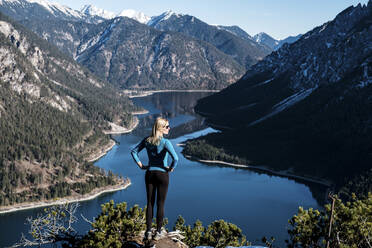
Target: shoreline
[[142, 112], [119, 129], [151, 92], [69, 199], [263, 169], [113, 142], [103, 152]]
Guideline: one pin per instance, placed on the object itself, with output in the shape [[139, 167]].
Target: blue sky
[[278, 18]]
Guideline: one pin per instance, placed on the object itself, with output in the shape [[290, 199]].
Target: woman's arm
[[135, 152], [172, 152]]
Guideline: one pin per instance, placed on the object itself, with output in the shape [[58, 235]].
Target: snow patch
[[96, 40], [163, 17], [324, 27], [55, 7], [94, 11], [289, 101], [264, 82]]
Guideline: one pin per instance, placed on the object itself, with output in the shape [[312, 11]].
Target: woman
[[157, 177]]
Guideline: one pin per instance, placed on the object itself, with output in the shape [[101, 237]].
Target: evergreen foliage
[[218, 234], [361, 184], [115, 225], [201, 149], [328, 130], [47, 137], [351, 228]]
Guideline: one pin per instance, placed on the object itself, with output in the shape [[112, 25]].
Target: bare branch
[[54, 225]]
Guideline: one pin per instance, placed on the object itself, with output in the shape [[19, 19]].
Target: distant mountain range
[[132, 55], [91, 10], [265, 39], [246, 52], [214, 57], [306, 105]]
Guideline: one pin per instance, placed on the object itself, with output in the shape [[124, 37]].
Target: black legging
[[156, 183]]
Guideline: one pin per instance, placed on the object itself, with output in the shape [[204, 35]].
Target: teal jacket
[[158, 155]]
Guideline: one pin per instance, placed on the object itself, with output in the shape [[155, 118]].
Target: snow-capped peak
[[94, 11], [138, 16], [164, 16], [260, 36], [54, 8]]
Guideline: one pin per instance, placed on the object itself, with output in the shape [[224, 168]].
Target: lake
[[259, 204]]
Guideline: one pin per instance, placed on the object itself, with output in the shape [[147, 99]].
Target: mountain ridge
[[245, 52], [209, 68], [166, 59], [308, 97]]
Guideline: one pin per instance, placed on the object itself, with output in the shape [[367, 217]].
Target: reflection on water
[[178, 107], [260, 204]]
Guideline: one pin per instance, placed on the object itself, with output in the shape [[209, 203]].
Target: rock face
[[33, 67], [170, 240], [130, 54], [245, 51]]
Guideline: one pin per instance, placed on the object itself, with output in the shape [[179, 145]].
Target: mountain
[[43, 10], [91, 10], [53, 114], [237, 31], [138, 16], [265, 39], [245, 52], [152, 59], [289, 40], [306, 105], [132, 55], [64, 34]]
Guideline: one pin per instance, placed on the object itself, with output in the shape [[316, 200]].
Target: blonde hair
[[156, 135]]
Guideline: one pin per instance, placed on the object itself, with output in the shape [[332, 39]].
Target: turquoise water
[[259, 204]]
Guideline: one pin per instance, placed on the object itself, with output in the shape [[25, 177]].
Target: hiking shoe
[[159, 235], [148, 236]]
